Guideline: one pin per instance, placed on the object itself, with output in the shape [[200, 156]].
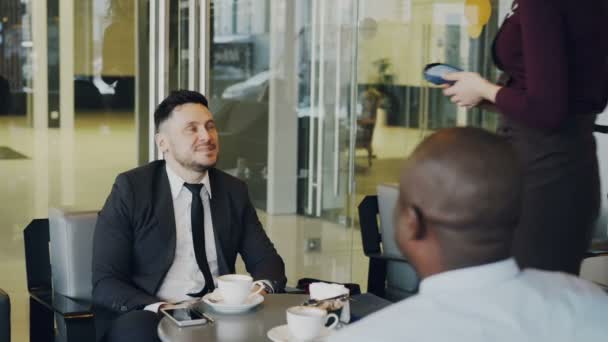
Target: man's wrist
[[155, 307], [267, 285]]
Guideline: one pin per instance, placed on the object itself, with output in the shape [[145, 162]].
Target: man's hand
[[164, 306], [257, 287]]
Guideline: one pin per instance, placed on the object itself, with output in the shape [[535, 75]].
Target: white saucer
[[221, 307], [281, 334]]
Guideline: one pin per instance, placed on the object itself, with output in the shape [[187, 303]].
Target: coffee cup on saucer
[[305, 323], [236, 288]]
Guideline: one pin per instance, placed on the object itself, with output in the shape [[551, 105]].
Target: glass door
[[326, 105], [279, 76], [397, 38], [317, 102], [177, 56]]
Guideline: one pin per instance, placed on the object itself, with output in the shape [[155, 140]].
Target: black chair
[[390, 275], [600, 129], [599, 247], [5, 96], [5, 317], [596, 258], [595, 261], [74, 318]]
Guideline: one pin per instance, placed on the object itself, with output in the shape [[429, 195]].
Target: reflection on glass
[[239, 90], [15, 150], [396, 40], [118, 54], [59, 165], [15, 57]]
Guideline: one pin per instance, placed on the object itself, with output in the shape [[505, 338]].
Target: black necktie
[[197, 216]]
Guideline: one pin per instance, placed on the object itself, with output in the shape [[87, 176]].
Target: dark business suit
[[134, 243]]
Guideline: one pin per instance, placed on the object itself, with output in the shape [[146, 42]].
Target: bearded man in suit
[[169, 228]]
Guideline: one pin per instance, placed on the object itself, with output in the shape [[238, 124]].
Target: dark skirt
[[561, 197]]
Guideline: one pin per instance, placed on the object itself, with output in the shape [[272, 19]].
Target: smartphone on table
[[184, 316]]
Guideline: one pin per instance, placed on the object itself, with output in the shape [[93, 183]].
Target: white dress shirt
[[184, 275], [494, 302]]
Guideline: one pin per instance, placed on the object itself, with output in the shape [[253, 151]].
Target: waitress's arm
[[487, 106]]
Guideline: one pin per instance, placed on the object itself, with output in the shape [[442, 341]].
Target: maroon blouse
[[556, 55]]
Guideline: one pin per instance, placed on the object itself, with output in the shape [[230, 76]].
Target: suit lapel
[[165, 213], [220, 214]]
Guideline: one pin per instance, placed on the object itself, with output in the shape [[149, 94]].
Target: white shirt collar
[[177, 183], [470, 277]]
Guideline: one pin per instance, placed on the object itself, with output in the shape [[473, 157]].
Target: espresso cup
[[304, 322], [235, 288]]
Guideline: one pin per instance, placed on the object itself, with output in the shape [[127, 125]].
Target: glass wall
[[397, 107], [17, 150], [317, 102], [336, 88], [348, 76], [280, 89], [68, 121], [239, 89], [276, 61]]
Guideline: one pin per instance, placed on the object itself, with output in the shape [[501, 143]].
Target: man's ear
[[161, 142], [412, 225], [407, 229]]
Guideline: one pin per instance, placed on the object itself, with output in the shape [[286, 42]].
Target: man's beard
[[193, 165]]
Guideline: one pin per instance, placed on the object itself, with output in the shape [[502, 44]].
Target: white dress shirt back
[[495, 302]]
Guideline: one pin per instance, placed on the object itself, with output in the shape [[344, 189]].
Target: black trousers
[[134, 326], [561, 193]]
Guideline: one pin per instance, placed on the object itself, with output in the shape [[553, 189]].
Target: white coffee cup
[[304, 322], [235, 288]]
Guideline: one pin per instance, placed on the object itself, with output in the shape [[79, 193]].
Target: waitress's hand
[[470, 89]]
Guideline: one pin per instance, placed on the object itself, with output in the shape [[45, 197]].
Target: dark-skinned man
[[459, 204]]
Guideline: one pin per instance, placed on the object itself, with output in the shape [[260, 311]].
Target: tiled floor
[[78, 168], [64, 168]]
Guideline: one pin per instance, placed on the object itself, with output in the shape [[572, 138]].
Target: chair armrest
[[600, 128], [294, 290], [597, 248], [5, 316], [365, 304], [602, 286], [387, 257], [65, 306]]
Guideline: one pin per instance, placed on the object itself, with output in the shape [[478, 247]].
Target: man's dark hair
[[176, 98]]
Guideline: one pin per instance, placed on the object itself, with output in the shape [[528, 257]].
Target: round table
[[248, 326]]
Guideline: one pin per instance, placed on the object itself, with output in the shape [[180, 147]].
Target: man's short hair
[[176, 98], [470, 177]]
